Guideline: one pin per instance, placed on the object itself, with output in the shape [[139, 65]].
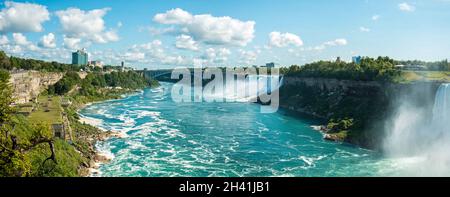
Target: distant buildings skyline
[[80, 57], [356, 59]]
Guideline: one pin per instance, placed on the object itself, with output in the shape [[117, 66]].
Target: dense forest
[[95, 80], [9, 63], [369, 69], [382, 68]]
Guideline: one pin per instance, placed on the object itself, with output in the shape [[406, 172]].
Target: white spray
[[420, 145]]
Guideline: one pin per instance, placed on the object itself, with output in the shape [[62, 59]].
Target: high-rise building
[[270, 65], [356, 59], [80, 57]]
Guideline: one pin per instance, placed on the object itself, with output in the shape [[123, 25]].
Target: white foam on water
[[104, 150], [127, 120], [92, 121], [143, 113]]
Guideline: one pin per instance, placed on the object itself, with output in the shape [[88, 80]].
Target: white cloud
[[20, 42], [48, 41], [20, 39], [153, 48], [12, 49], [278, 39], [375, 17], [337, 42], [71, 43], [248, 57], [35, 52], [4, 40], [159, 31], [20, 46], [209, 29], [216, 56], [33, 47], [221, 30], [22, 17], [364, 29], [54, 54], [173, 60], [133, 56], [186, 42], [151, 53], [406, 7], [174, 16], [89, 25], [108, 36]]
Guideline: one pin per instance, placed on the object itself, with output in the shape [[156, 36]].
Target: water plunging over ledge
[[441, 110], [420, 141]]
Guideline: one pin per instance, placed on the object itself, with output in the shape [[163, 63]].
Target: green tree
[[4, 61], [5, 97], [66, 84], [14, 144], [381, 69]]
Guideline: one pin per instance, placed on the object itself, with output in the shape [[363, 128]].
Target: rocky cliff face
[[28, 84], [368, 103]]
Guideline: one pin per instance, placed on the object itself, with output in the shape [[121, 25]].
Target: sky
[[169, 33]]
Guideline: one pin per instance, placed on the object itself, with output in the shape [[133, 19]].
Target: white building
[[96, 63]]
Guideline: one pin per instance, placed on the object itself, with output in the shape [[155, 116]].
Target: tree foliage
[[18, 136], [66, 84], [335, 126], [369, 69], [4, 61], [5, 96], [9, 63]]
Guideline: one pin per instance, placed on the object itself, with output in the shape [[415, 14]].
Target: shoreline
[[99, 157]]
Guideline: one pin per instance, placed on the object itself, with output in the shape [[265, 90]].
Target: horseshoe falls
[[420, 145]]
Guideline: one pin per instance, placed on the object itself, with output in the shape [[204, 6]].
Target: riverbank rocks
[[333, 137], [99, 158]]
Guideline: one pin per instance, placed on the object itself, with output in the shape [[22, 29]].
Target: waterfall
[[245, 90], [441, 110], [419, 142]]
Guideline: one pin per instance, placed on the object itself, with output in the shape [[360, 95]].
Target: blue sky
[[164, 33]]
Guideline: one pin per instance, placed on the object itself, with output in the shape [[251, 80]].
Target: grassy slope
[[411, 76], [49, 110], [74, 157]]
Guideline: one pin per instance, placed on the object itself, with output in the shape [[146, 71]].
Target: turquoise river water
[[164, 138]]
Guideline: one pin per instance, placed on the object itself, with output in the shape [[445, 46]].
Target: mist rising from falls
[[246, 90], [418, 141], [441, 110]]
